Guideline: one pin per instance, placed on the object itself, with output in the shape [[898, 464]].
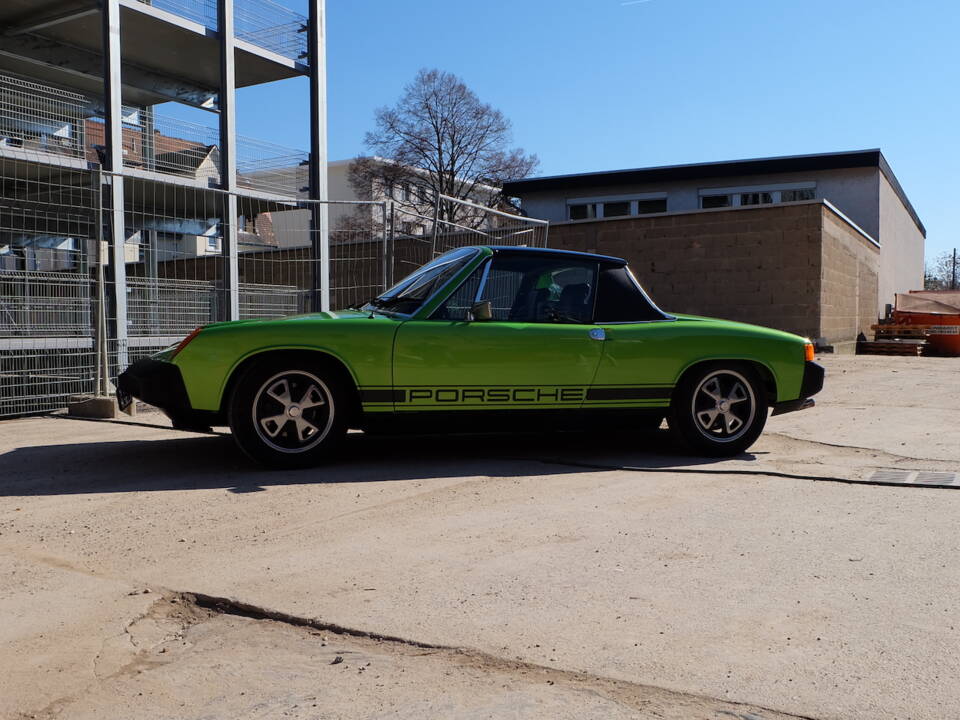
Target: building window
[[797, 195], [714, 201], [757, 195], [616, 209], [616, 206], [756, 198], [586, 211], [648, 207]]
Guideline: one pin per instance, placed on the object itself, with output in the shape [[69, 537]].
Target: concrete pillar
[[319, 216], [228, 159], [110, 15]]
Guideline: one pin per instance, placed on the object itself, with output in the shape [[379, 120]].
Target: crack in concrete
[[229, 606], [628, 693]]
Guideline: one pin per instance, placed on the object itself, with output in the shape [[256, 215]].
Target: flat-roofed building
[[672, 216]]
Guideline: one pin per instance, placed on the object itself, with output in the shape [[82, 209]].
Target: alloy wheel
[[293, 411], [724, 406]]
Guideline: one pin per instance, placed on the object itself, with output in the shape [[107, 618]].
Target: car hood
[[329, 316]]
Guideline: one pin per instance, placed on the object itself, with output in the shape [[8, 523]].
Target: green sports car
[[482, 338]]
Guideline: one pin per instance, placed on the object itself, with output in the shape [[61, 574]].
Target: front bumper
[[160, 383], [812, 383]]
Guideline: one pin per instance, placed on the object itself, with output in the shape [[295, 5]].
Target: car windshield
[[410, 293]]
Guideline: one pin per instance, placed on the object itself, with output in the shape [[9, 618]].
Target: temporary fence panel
[[419, 237], [47, 299]]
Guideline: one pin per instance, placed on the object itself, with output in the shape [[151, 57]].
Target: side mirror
[[480, 311]]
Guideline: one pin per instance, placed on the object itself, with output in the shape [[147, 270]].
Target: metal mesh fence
[[37, 120], [262, 23], [47, 303], [75, 309], [418, 238]]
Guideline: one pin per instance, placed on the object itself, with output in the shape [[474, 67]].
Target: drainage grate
[[915, 477], [935, 478], [891, 476]]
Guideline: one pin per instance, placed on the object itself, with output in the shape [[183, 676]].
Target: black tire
[[289, 413], [719, 409]]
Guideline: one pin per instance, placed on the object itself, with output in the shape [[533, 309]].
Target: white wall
[[291, 228], [902, 243], [853, 191], [339, 188]]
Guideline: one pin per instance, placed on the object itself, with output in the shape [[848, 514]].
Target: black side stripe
[[383, 396], [634, 393], [594, 394]]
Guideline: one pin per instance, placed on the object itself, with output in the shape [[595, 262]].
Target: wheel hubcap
[[293, 411], [724, 406]]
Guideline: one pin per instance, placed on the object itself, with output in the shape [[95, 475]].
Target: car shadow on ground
[[213, 461]]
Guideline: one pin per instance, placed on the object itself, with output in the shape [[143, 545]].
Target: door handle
[[598, 334]]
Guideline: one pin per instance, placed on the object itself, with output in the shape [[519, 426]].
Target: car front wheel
[[719, 409], [287, 414]]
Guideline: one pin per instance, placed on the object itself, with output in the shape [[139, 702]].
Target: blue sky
[[603, 84]]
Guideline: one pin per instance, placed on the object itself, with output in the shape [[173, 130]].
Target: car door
[[643, 347], [538, 351]]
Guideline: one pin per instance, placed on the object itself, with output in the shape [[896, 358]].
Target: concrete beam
[[77, 62], [65, 14]]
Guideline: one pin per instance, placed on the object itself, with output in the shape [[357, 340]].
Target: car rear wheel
[[719, 409], [288, 414]]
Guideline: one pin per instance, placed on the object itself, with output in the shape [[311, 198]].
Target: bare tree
[[943, 272], [439, 139]]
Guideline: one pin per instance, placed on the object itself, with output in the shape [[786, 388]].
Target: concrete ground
[[148, 573]]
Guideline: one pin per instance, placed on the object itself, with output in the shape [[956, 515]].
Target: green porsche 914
[[482, 338]]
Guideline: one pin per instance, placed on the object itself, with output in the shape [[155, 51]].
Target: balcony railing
[[38, 118], [262, 23], [54, 123]]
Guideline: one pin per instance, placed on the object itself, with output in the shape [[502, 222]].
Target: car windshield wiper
[[361, 305]]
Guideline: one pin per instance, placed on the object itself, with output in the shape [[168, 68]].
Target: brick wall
[[758, 265], [851, 266]]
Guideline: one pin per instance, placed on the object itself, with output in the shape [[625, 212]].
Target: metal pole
[[392, 241], [436, 227], [953, 282], [100, 321], [113, 101], [319, 216], [228, 159]]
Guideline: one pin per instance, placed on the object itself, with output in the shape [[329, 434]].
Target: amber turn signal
[[808, 352]]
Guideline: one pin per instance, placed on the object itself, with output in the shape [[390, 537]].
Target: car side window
[[541, 290], [456, 306], [620, 299]]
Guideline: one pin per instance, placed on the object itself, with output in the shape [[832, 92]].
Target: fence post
[[436, 228], [100, 329], [387, 247], [392, 243]]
